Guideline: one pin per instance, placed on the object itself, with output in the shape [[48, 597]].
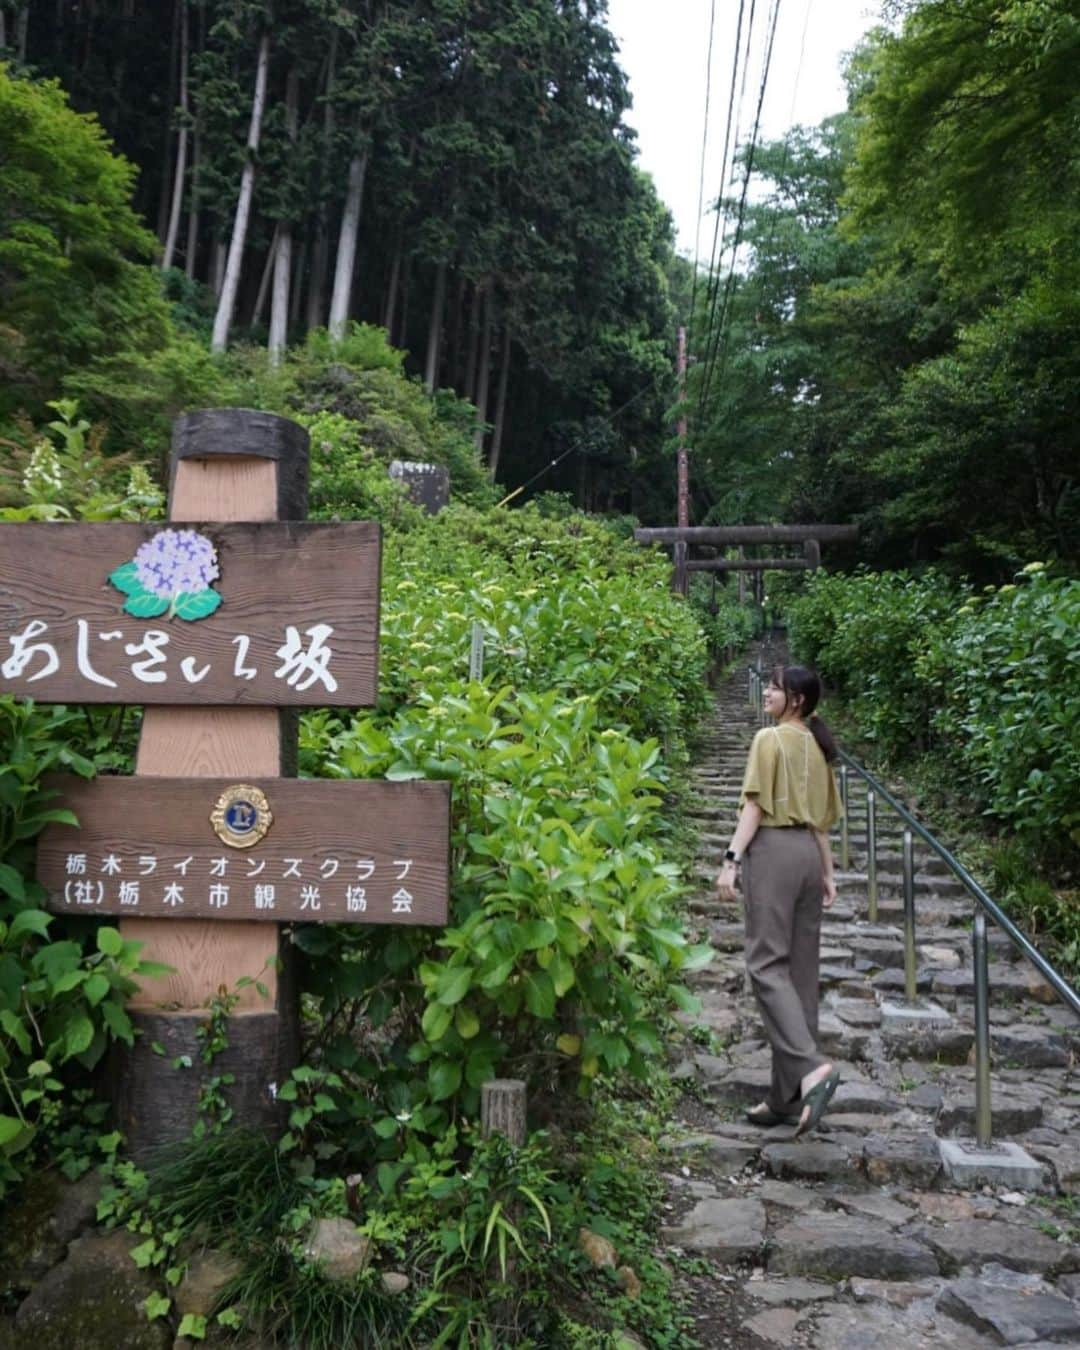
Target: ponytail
[[800, 682]]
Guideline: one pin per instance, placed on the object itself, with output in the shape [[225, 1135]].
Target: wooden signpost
[[227, 619]]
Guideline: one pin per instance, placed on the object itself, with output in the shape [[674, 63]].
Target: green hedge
[[989, 680]]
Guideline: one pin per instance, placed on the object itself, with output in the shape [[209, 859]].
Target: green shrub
[[63, 983], [990, 682]]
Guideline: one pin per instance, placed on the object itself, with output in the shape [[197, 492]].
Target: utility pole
[[682, 580]]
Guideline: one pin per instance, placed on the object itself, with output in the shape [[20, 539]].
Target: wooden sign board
[[334, 851], [269, 615], [428, 485]]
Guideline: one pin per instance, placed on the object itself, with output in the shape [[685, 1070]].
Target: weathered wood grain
[[275, 576], [337, 852]]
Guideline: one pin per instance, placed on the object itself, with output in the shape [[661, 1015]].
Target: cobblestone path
[[853, 1237]]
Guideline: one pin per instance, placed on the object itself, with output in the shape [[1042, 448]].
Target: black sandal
[[817, 1099], [767, 1118]]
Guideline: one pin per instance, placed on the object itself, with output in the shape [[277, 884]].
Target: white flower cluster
[[175, 561], [43, 478]]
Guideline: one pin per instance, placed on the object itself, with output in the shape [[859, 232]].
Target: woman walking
[[781, 848]]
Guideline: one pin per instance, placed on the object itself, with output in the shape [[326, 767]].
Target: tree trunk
[[469, 392], [263, 293], [227, 303], [431, 365], [3, 28], [483, 378], [22, 21], [500, 404], [279, 309], [346, 254], [390, 311], [316, 306], [217, 267], [164, 194], [455, 362], [191, 252], [298, 283], [181, 145]]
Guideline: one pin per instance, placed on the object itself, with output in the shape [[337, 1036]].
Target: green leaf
[[194, 605], [11, 882], [95, 988], [143, 1255], [156, 1305], [31, 921], [453, 984], [10, 1129], [539, 993], [466, 1022], [125, 578], [386, 1128], [145, 605], [435, 1021], [192, 1325], [498, 975], [118, 1022], [109, 941], [78, 1035], [537, 933], [13, 1025], [444, 1078]]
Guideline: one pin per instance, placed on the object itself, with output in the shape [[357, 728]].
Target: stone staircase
[[853, 1237]]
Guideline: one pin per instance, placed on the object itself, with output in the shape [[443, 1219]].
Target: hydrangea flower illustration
[[172, 573]]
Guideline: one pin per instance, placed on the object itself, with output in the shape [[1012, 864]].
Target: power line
[[578, 444], [701, 175], [718, 337]]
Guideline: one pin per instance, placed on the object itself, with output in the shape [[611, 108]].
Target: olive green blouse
[[788, 777]]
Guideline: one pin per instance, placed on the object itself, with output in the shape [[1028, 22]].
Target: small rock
[[394, 1282], [943, 958], [897, 1293], [775, 1325], [338, 1247], [207, 1275], [598, 1249], [947, 1208], [628, 1281]]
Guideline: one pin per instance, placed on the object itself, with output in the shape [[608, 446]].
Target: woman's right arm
[[828, 888]]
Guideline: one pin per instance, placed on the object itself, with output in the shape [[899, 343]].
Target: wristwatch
[[732, 857]]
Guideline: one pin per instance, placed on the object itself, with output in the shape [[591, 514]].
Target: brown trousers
[[782, 894]]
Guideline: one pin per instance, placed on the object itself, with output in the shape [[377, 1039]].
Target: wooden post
[[812, 552], [227, 465], [502, 1109]]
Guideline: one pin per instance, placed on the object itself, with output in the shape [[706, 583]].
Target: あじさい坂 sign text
[[273, 614]]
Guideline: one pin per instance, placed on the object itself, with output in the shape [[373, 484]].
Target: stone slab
[[863, 1099], [975, 1242], [810, 1160], [1030, 1047], [1009, 1115], [837, 1246], [727, 1230], [899, 1018], [785, 1195], [775, 1326], [1004, 1164], [1014, 1316], [912, 1160], [877, 1206], [792, 1290], [896, 1293]]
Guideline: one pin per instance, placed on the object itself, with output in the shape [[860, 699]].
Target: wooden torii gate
[[810, 536]]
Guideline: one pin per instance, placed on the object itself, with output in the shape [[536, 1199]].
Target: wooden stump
[[227, 465], [502, 1109]]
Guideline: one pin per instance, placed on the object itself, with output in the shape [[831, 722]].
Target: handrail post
[[871, 854], [845, 829], [983, 1115], [909, 916]]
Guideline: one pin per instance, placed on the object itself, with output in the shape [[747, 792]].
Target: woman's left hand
[[725, 881], [828, 892]]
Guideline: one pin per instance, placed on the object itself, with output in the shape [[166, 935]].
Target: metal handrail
[[1061, 987]]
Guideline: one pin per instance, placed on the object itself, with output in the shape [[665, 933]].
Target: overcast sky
[[663, 47]]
